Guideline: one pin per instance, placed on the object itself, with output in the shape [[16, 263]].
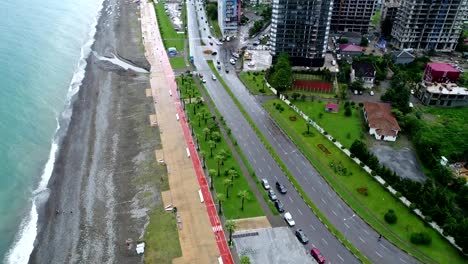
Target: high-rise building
[[228, 16], [300, 28], [389, 9], [429, 24], [352, 15]]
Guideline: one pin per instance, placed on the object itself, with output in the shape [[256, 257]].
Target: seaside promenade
[[201, 237]]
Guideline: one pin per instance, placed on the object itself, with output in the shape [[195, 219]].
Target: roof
[[445, 88], [350, 47], [443, 67], [363, 69], [403, 54], [332, 106], [379, 116]]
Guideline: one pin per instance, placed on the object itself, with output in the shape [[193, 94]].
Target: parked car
[[209, 36], [218, 66], [287, 216], [371, 93], [213, 77], [227, 71], [232, 61], [302, 236], [272, 195], [203, 80], [281, 188], [256, 43], [265, 184], [317, 255], [214, 53], [211, 43], [279, 206]]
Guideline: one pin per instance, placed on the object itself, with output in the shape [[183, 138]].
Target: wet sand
[[100, 191]]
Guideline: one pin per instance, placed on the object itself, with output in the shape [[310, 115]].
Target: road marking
[[260, 169], [383, 246], [339, 205], [320, 182], [290, 199], [254, 161], [378, 254], [329, 194], [346, 225], [276, 177], [334, 212], [402, 260], [360, 238], [365, 231], [269, 167], [311, 226], [323, 200], [338, 255], [313, 189], [324, 241], [217, 228], [300, 212]]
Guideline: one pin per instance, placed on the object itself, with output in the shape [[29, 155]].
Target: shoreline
[[93, 207]]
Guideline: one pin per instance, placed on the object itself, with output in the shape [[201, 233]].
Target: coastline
[[96, 201]]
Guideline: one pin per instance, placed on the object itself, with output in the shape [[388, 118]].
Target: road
[[259, 157]]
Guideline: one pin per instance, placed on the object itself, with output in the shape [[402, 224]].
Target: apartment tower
[[429, 24], [229, 16], [300, 28], [352, 15]]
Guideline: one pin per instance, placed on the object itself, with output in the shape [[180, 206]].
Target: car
[[213, 77], [232, 61], [256, 43], [287, 216], [203, 80], [302, 236], [211, 43], [281, 188], [204, 28], [371, 93], [317, 255], [218, 66], [272, 195], [265, 184], [279, 206], [214, 53], [227, 71], [412, 92], [209, 36]]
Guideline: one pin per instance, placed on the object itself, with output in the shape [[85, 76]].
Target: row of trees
[[443, 203], [280, 75]]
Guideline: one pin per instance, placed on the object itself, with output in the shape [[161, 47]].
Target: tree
[[227, 183], [206, 132], [232, 173], [212, 145], [347, 111], [244, 195], [295, 95], [216, 136], [303, 97], [364, 42], [343, 40], [245, 260], [220, 197], [199, 117], [225, 154], [357, 85], [212, 173], [212, 10], [231, 227], [219, 159], [308, 127], [203, 155]]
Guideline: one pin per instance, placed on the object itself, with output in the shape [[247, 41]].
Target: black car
[[301, 236], [227, 71], [281, 188], [279, 206]]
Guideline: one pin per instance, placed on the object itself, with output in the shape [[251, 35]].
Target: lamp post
[[347, 227]]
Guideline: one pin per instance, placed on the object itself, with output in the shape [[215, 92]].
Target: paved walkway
[[201, 230]]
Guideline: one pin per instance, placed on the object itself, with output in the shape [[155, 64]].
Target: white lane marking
[[346, 225], [276, 177], [383, 246], [365, 231], [402, 260], [360, 238], [340, 257], [320, 182], [260, 169], [324, 241], [311, 226], [290, 199], [323, 200], [313, 189], [334, 212], [378, 254], [339, 205], [300, 212], [269, 167], [329, 193], [254, 160]]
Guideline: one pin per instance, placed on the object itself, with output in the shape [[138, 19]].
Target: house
[[442, 94], [332, 108], [363, 70], [382, 124], [441, 72], [350, 50], [402, 57]]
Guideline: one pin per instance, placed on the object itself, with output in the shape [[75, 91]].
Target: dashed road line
[[338, 255], [311, 226], [367, 232], [334, 213], [346, 225], [383, 246], [362, 240], [290, 199], [300, 212], [324, 241], [323, 201], [402, 260], [378, 254]]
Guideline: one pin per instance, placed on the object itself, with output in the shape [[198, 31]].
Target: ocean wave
[[24, 242]]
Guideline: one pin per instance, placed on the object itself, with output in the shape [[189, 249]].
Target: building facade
[[429, 24], [352, 15], [382, 124], [228, 16], [389, 9], [442, 94], [300, 28]]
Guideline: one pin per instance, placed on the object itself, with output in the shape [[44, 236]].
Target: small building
[[382, 124], [363, 70], [442, 94], [350, 50], [332, 108], [441, 72], [402, 57]]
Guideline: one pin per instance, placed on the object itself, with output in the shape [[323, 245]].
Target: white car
[[265, 184], [289, 220], [232, 61], [203, 80], [213, 77]]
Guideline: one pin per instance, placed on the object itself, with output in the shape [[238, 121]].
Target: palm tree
[[231, 227], [220, 197], [244, 195], [233, 173], [219, 158], [212, 173], [203, 156], [216, 136], [308, 127], [199, 116], [245, 260], [192, 124], [227, 183], [212, 145], [206, 132], [225, 154]]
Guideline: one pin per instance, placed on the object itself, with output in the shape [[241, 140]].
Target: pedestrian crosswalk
[[217, 228]]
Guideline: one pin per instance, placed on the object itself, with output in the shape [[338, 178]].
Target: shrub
[[385, 184], [352, 156], [325, 132], [362, 164], [361, 104], [293, 118], [421, 238], [428, 219], [333, 140], [390, 217], [353, 103], [373, 173], [261, 90], [363, 191], [398, 194], [343, 147], [347, 111], [412, 206]]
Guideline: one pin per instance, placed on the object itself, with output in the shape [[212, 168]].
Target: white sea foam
[[24, 242]]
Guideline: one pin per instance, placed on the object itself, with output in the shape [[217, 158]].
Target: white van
[[333, 62]]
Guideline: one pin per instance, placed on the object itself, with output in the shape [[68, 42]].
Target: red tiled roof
[[350, 47], [379, 116], [333, 106], [443, 67]]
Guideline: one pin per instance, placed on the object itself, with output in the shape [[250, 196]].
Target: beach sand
[[103, 183]]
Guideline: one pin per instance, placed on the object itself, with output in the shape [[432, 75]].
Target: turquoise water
[[40, 49]]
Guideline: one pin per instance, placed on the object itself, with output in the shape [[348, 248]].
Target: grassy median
[[255, 82]]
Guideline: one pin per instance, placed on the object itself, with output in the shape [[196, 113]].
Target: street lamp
[[347, 227]]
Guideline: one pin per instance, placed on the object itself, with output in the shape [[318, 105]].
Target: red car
[[317, 256]]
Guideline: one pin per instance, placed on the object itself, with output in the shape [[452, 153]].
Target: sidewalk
[[199, 241]]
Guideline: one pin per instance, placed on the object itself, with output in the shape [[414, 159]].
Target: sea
[[43, 47]]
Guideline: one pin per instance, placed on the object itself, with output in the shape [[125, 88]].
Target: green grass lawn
[[162, 238], [309, 77], [216, 31], [376, 18], [187, 88], [345, 129], [372, 207], [255, 82], [232, 205], [168, 33], [177, 63]]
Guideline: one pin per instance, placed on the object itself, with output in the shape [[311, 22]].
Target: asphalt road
[[258, 156]]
